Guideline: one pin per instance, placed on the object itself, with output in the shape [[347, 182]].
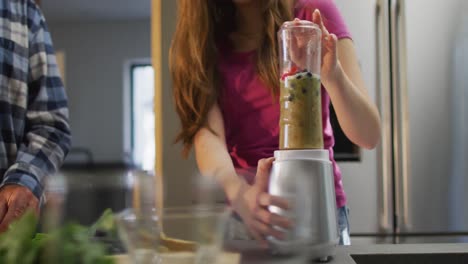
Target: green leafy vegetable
[[70, 243], [105, 226], [16, 245]]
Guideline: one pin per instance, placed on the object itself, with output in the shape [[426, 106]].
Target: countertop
[[242, 252], [364, 254]]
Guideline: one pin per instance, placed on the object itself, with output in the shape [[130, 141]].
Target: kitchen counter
[[365, 254], [242, 252]]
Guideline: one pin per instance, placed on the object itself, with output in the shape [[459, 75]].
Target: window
[[142, 119]]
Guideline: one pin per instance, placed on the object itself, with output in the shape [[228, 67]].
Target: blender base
[[321, 253], [324, 259]]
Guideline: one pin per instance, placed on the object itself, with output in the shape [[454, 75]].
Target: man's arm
[[46, 139]]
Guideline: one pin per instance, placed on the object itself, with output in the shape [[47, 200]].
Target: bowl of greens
[[69, 243]]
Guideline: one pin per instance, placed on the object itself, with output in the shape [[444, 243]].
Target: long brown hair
[[193, 56]]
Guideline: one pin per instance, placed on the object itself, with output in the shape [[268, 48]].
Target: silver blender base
[[317, 252], [324, 259]]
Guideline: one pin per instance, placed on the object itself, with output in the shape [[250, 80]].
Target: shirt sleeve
[[47, 136], [331, 15]]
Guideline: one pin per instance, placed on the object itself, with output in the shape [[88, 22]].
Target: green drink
[[301, 112]]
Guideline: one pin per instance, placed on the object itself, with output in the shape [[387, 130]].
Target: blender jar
[[300, 86]]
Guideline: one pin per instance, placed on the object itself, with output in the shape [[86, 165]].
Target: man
[[34, 130]]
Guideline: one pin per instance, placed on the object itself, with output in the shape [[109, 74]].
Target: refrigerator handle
[[400, 114], [384, 150]]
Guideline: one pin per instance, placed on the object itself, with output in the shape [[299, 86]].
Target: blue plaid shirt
[[35, 134]]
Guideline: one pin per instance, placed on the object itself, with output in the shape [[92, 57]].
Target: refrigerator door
[[368, 183], [424, 33], [459, 218]]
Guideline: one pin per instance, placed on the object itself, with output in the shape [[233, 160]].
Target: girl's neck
[[249, 19]]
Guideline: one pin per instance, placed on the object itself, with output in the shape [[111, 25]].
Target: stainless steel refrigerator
[[414, 57]]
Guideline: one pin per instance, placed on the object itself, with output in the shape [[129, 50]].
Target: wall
[[178, 172], [95, 56]]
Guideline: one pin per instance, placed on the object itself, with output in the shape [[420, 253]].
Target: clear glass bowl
[[193, 233], [140, 234], [199, 227]]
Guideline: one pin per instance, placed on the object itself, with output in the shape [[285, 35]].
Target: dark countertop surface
[[364, 254]]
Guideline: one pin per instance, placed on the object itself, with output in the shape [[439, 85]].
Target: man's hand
[[15, 200]]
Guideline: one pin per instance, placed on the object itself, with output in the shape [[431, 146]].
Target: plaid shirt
[[35, 134]]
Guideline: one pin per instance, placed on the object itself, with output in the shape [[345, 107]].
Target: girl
[[224, 67]]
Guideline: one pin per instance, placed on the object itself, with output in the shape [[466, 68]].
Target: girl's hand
[[330, 62], [329, 51], [252, 202]]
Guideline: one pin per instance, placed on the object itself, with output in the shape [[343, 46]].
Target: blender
[[302, 171]]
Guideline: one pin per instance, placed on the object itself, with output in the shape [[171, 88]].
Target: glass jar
[[300, 86]]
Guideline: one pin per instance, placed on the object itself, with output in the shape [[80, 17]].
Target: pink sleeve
[[332, 17]]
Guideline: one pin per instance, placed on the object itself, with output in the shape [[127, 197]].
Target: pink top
[[251, 114]]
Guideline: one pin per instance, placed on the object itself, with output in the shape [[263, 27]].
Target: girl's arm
[[249, 201], [342, 78], [357, 115], [212, 155]]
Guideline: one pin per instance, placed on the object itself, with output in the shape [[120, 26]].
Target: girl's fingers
[[263, 172], [265, 199], [273, 219], [331, 42], [257, 236], [267, 230], [317, 19]]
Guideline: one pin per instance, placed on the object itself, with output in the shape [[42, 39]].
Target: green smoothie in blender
[[301, 111], [300, 86]]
